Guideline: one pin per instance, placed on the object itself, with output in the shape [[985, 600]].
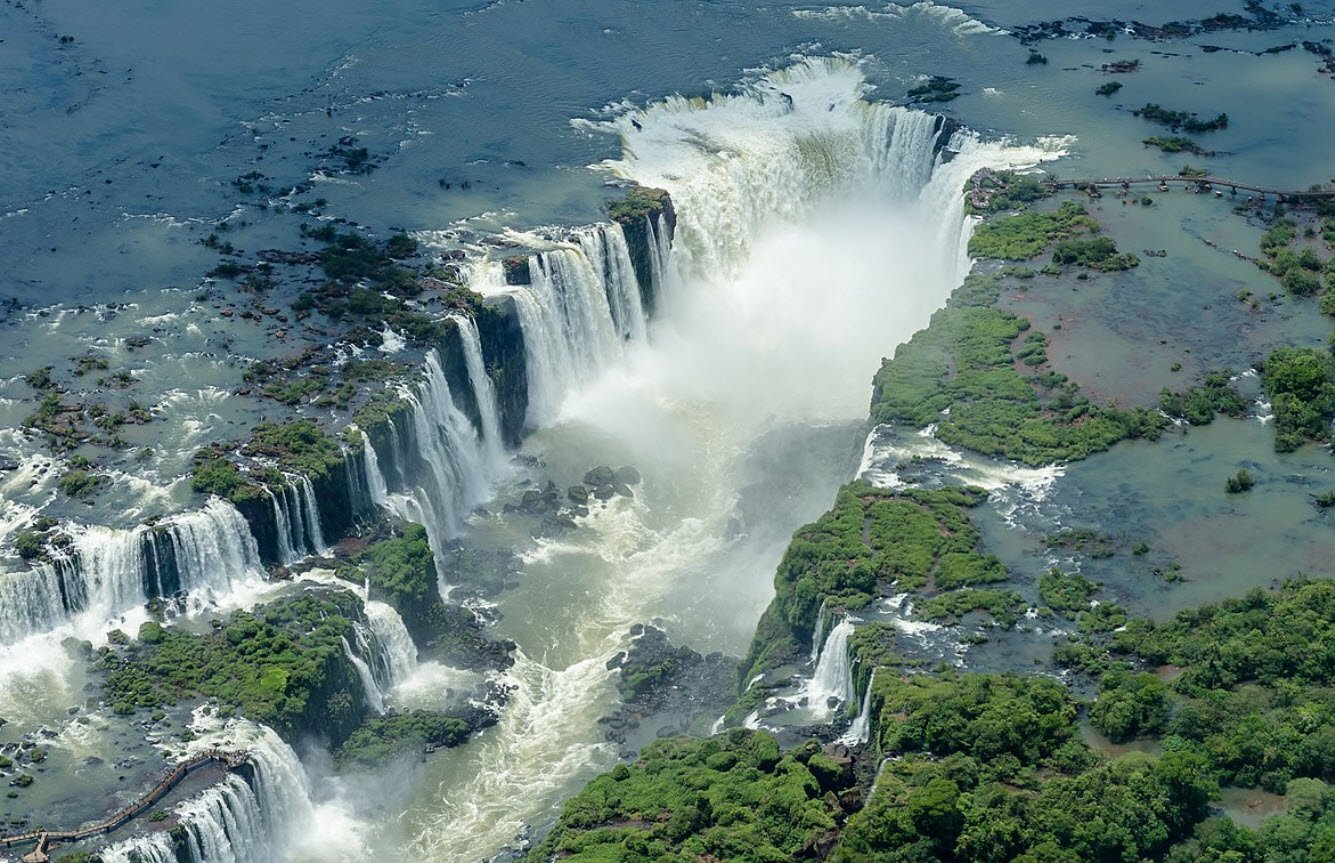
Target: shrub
[[1240, 482]]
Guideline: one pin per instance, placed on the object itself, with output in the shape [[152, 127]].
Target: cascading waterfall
[[441, 465], [375, 697], [286, 553], [818, 637], [833, 677], [660, 261], [395, 653], [298, 519], [384, 653], [582, 304], [34, 601], [108, 572], [483, 391], [215, 551], [860, 730], [311, 512], [604, 247], [235, 821]]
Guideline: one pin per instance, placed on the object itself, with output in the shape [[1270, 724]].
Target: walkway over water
[[45, 839], [1205, 183]]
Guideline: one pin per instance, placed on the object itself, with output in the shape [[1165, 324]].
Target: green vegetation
[[872, 538], [1026, 235], [1097, 253], [998, 191], [1176, 144], [638, 203], [30, 544], [402, 571], [988, 768], [1301, 384], [1175, 120], [1064, 592], [1004, 606], [935, 89], [1198, 405], [384, 737], [1240, 482], [732, 797], [1129, 705], [301, 446], [964, 361], [1108, 88], [367, 288], [1255, 692], [212, 472], [1094, 543], [81, 484], [982, 768], [282, 664]]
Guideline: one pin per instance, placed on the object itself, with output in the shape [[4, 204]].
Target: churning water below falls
[[815, 232]]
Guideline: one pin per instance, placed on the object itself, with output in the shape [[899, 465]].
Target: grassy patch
[[964, 361]]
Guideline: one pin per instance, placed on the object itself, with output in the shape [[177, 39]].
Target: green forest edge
[[989, 767]]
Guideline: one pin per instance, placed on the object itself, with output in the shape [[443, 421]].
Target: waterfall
[[605, 248], [297, 517], [395, 652], [34, 600], [375, 480], [860, 730], [483, 391], [833, 677], [438, 468], [375, 698], [582, 304], [286, 554], [108, 572], [214, 549], [236, 820], [818, 637], [314, 535]]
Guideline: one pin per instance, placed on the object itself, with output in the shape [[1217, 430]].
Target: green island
[[286, 664]]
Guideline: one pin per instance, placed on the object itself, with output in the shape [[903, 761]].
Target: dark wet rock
[[8, 463], [599, 476], [578, 493], [622, 489], [517, 270], [604, 492], [667, 685], [626, 475]]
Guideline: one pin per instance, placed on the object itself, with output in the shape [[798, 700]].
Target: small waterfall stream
[[483, 390], [833, 677], [860, 730], [375, 696]]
